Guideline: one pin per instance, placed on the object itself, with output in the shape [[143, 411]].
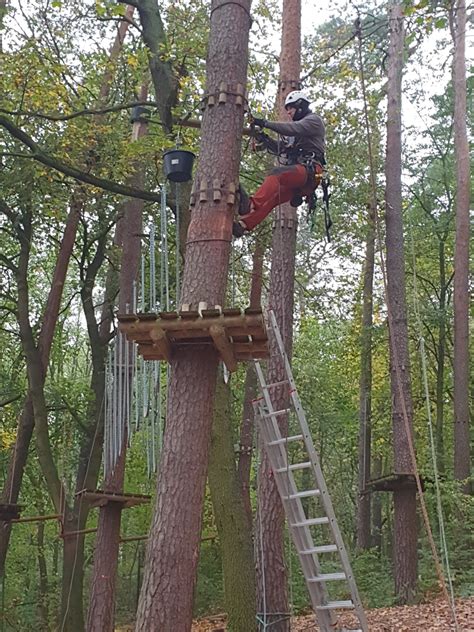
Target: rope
[[396, 363], [178, 252]]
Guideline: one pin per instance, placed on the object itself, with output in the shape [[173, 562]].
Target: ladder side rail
[[325, 497], [301, 536], [328, 506]]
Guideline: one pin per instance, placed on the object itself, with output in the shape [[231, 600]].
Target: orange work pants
[[279, 187]]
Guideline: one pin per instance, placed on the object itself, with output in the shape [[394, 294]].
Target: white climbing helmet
[[296, 95]]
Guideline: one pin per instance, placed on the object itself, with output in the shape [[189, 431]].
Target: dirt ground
[[433, 616]]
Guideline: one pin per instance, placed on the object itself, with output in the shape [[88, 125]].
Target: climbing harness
[[314, 163]]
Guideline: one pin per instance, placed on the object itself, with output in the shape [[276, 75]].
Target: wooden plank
[[223, 346], [232, 311], [161, 343], [144, 317], [100, 498], [169, 315], [210, 313], [127, 318]]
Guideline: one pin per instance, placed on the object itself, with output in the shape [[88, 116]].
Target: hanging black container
[[178, 165]]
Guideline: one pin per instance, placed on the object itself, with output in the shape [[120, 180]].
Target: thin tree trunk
[[271, 566], [377, 509], [26, 421], [43, 610], [231, 519], [441, 359], [101, 611], [365, 390], [461, 257], [173, 548], [405, 526], [250, 387]]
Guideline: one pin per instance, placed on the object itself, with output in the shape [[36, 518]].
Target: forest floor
[[433, 616]]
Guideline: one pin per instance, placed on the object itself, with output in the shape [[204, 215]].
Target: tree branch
[[77, 113], [68, 170]]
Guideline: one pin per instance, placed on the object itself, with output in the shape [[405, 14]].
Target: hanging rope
[[411, 447]]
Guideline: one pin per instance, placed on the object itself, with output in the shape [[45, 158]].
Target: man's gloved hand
[[259, 122]]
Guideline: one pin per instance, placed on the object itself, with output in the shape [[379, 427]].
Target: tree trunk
[[461, 257], [43, 610], [271, 567], [231, 519], [365, 390], [377, 509], [17, 462], [405, 527], [72, 614], [173, 548], [441, 359], [250, 388], [101, 611], [26, 421]]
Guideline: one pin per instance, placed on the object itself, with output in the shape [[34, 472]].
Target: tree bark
[[271, 565], [364, 540], [173, 547], [405, 527], [462, 469], [231, 519]]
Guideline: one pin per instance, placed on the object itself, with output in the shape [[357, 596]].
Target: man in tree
[[301, 154]]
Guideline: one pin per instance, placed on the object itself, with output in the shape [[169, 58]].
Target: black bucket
[[178, 165]]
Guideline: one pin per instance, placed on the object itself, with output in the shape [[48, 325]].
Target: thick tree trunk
[[365, 390], [405, 527], [271, 567], [246, 442], [231, 519], [462, 469], [173, 548]]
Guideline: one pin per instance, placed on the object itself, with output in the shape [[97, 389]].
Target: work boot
[[244, 201], [238, 229]]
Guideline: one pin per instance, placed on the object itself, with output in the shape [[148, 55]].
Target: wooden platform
[[9, 512], [237, 335], [392, 482], [99, 498]]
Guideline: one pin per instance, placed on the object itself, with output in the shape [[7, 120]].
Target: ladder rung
[[286, 440], [306, 494], [311, 521], [275, 384], [275, 413], [327, 577], [326, 548], [295, 466], [334, 605]]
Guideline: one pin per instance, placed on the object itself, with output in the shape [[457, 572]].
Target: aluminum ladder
[[295, 494]]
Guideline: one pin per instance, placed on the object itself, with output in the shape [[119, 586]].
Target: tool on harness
[[312, 203]]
